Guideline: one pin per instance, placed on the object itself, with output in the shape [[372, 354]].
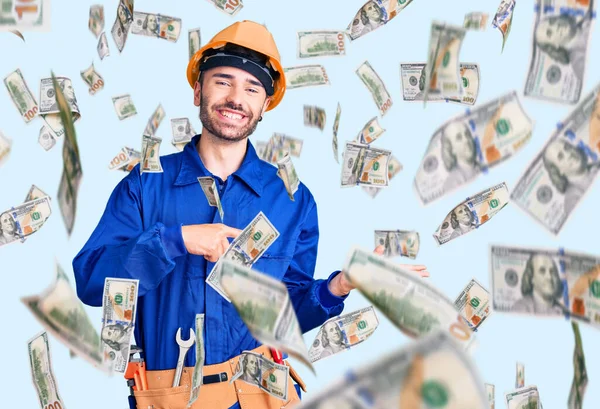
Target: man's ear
[[265, 106], [197, 92]]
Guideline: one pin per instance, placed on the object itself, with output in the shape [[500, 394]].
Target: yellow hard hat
[[252, 36]]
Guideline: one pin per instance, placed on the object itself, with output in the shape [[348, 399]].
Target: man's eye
[[253, 90], [222, 83]]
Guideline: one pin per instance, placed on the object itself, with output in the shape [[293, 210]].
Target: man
[[159, 228], [541, 287]]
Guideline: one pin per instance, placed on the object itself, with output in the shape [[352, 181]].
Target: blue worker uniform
[[139, 237]]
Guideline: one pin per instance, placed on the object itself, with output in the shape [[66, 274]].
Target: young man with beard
[[159, 228]]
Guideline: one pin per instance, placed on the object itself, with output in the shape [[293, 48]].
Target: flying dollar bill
[[470, 144], [341, 333], [288, 175], [520, 379], [320, 43], [119, 303], [556, 180], [193, 41], [156, 25], [43, 373], [398, 242], [245, 249], [230, 7], [49, 107], [472, 213], [5, 147], [60, 312], [364, 165], [278, 146], [580, 378], [93, 79], [264, 305], [209, 187], [150, 162], [546, 283], [376, 87], [23, 220], [431, 373], [473, 304], [413, 84], [33, 15], [124, 106], [443, 75], [183, 132], [491, 394], [102, 47], [125, 160], [476, 21], [503, 18], [314, 116], [263, 373], [46, 138], [96, 20], [374, 14], [523, 398], [394, 167], [21, 95], [370, 132], [336, 126], [123, 20], [305, 76], [197, 376], [561, 33], [155, 120], [415, 307]]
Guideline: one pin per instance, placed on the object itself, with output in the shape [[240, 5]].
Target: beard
[[224, 132]]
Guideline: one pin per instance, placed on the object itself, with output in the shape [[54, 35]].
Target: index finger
[[232, 231]]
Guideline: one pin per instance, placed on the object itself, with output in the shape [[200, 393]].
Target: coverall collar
[[192, 167]]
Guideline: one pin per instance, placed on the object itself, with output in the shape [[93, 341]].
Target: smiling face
[[545, 276], [231, 102], [569, 160], [463, 214], [556, 31], [333, 334], [7, 225]]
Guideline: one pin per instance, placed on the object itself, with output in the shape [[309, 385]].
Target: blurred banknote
[[413, 84], [476, 21], [156, 25], [102, 47], [230, 7], [491, 394], [431, 373], [245, 249], [580, 378], [197, 376], [520, 379], [120, 28], [409, 302], [398, 242], [523, 398], [60, 312], [264, 305], [546, 283], [336, 126], [150, 161], [376, 87], [278, 146], [470, 144], [393, 168], [443, 69], [320, 43], [23, 220], [193, 41], [503, 18], [125, 160], [561, 33], [43, 373], [124, 106], [118, 321], [93, 79], [288, 175], [96, 20], [314, 116], [556, 180], [374, 14], [183, 132], [46, 138], [370, 132], [472, 213], [155, 120], [209, 187], [263, 373], [364, 165], [21, 95], [49, 106], [5, 147], [305, 76], [473, 304], [341, 333], [29, 15]]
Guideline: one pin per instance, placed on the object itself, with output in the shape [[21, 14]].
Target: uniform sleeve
[[120, 247], [313, 302]]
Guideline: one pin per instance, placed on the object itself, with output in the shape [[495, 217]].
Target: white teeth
[[231, 115]]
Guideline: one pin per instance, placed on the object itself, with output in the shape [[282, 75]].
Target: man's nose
[[235, 96]]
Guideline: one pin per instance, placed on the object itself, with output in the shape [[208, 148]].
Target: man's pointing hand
[[208, 240]]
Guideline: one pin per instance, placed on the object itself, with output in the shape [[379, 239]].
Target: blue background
[[153, 72]]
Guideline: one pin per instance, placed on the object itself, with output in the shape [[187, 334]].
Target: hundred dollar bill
[[263, 373], [264, 305], [476, 21], [503, 18], [93, 79], [150, 162], [5, 147], [156, 25], [341, 333], [473, 304], [119, 303], [443, 74], [125, 160], [120, 28], [431, 373], [193, 41], [278, 146], [320, 43], [415, 307], [523, 398], [230, 7], [42, 372], [245, 249], [370, 132], [376, 87], [364, 165], [288, 175], [305, 76], [472, 213], [33, 15], [24, 220], [102, 47], [60, 312], [336, 126], [49, 109], [520, 379], [314, 116], [35, 193], [209, 187], [398, 242], [155, 120], [374, 14], [413, 84], [21, 95], [197, 376], [580, 378], [470, 144], [124, 106], [559, 176], [96, 20], [46, 138], [183, 132], [491, 394], [393, 168], [561, 33]]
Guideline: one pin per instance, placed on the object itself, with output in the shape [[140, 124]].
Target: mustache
[[233, 107]]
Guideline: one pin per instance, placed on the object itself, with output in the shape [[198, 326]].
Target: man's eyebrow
[[254, 82], [231, 77]]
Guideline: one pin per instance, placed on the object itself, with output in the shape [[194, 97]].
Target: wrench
[[184, 346]]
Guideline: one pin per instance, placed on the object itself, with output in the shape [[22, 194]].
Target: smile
[[231, 115]]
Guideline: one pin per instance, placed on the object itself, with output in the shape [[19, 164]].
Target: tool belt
[[218, 394]]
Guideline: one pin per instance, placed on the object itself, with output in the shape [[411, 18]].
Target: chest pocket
[[274, 265]]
